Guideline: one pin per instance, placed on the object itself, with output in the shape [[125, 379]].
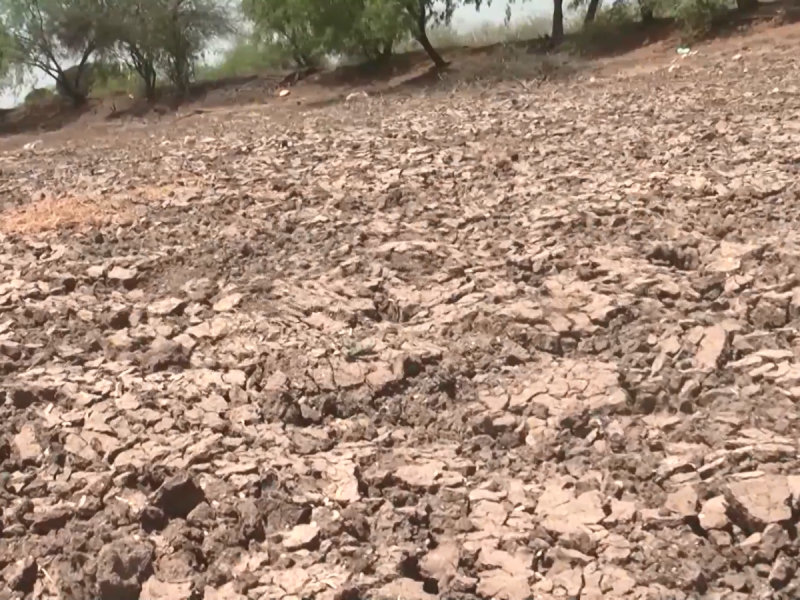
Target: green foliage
[[248, 56], [80, 43], [39, 96], [5, 63], [370, 29], [49, 34], [696, 17], [308, 30], [609, 25], [181, 33], [378, 26], [298, 26]]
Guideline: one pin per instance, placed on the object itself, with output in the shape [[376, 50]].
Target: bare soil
[[527, 340]]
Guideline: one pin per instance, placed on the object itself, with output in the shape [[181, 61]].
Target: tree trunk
[[150, 85], [558, 20], [646, 11], [437, 59], [422, 34], [72, 92], [68, 85], [591, 12]]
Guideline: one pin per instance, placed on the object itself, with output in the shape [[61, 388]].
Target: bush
[[697, 17], [248, 56], [39, 96], [609, 23]]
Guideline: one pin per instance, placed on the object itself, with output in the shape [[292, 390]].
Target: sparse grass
[[50, 213]]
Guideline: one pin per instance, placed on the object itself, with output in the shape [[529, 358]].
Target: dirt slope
[[530, 343]]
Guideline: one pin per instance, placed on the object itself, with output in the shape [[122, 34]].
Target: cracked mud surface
[[507, 346]]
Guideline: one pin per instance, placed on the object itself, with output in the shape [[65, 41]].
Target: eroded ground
[[506, 344]]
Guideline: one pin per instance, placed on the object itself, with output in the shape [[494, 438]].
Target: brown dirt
[[525, 340]]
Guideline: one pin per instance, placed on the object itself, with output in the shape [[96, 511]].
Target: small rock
[[782, 572], [495, 402], [360, 95], [774, 538], [168, 306], [711, 347], [622, 511], [155, 589], [720, 538], [95, 271], [441, 563], [683, 501], [120, 340], [51, 520], [224, 592], [571, 579], [407, 589], [27, 446], [757, 502], [301, 536], [163, 354], [21, 576], [500, 585], [420, 475], [713, 514], [127, 277], [564, 513], [228, 303], [122, 567]]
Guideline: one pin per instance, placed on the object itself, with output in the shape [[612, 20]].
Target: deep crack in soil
[[525, 344]]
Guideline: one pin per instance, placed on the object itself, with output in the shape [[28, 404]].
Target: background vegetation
[[137, 46]]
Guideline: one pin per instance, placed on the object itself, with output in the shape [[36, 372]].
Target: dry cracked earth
[[511, 344]]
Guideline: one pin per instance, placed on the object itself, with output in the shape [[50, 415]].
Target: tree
[[381, 24], [168, 37], [558, 21], [591, 12], [136, 44], [422, 12], [182, 30], [312, 29], [429, 12], [646, 10], [298, 25], [48, 34], [4, 54]]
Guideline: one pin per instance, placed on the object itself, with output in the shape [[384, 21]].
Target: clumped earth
[[527, 342]]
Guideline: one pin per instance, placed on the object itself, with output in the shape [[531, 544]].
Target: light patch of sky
[[466, 18]]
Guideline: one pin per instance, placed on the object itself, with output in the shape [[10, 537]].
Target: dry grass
[[50, 213]]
